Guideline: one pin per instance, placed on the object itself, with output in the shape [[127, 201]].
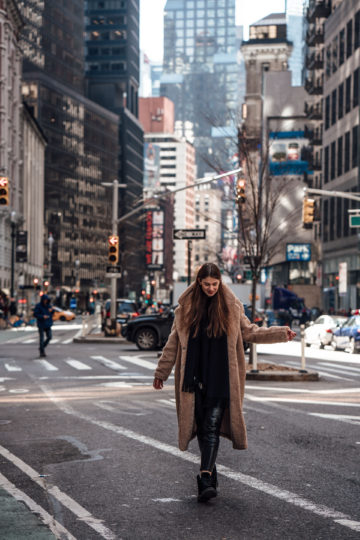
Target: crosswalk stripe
[[139, 362], [77, 364], [47, 365], [11, 367], [108, 363], [341, 368], [56, 340], [67, 341], [322, 373], [28, 341]]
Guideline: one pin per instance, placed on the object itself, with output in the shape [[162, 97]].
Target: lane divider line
[[250, 481], [56, 528], [79, 511]]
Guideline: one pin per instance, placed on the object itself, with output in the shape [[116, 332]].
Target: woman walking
[[206, 347]]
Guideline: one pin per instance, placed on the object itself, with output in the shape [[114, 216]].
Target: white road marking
[[47, 365], [19, 391], [255, 483], [108, 363], [4, 379], [322, 373], [139, 362], [303, 390], [167, 402], [80, 512], [11, 367], [166, 500], [76, 364], [345, 368], [56, 528], [339, 417], [67, 341], [53, 341], [303, 401], [99, 377], [27, 341]]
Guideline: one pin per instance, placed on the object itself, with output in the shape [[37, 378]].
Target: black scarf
[[207, 364]]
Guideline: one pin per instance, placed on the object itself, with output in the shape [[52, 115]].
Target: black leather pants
[[208, 421]]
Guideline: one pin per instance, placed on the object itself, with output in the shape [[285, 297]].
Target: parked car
[[149, 331], [347, 336], [320, 331], [62, 315], [125, 309]]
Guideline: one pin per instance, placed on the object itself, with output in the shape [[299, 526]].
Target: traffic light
[[240, 191], [4, 191], [113, 254], [308, 213]]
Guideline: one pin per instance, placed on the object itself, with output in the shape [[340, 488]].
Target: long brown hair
[[217, 310]]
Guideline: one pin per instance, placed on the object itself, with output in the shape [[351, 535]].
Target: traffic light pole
[[114, 231]]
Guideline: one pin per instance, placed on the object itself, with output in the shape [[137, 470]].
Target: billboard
[[151, 166], [289, 153]]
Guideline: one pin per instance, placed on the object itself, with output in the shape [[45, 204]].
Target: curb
[[284, 376], [97, 339]]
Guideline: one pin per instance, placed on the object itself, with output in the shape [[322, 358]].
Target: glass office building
[[295, 21], [82, 143], [200, 75]]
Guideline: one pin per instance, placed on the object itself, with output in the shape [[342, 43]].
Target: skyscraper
[[200, 76], [112, 72], [294, 10], [81, 149]]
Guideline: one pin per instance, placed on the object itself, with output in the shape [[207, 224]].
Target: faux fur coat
[[174, 353]]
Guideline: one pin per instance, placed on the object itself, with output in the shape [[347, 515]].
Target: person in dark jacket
[[43, 313]]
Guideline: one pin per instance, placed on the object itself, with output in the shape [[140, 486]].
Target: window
[[328, 62], [333, 106], [349, 39], [357, 30], [348, 94], [341, 46], [347, 152], [356, 87], [335, 54], [355, 134], [333, 160], [326, 165], [341, 101], [340, 156], [327, 112]]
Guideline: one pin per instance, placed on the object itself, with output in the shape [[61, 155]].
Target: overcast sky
[[151, 21]]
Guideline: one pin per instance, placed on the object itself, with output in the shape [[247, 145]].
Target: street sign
[[112, 275], [354, 221], [189, 234], [154, 266], [114, 269]]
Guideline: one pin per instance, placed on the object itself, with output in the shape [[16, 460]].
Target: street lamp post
[[13, 236], [51, 243]]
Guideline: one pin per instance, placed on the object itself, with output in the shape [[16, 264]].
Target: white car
[[319, 332]]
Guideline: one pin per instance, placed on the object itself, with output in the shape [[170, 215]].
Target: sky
[[151, 21]]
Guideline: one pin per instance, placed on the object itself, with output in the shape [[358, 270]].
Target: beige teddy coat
[[174, 353]]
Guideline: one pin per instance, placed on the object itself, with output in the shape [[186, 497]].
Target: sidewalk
[[17, 521]]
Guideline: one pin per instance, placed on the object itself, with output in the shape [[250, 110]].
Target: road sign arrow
[[189, 234]]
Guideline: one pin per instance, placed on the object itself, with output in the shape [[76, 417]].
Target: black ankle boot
[[205, 487], [214, 478]]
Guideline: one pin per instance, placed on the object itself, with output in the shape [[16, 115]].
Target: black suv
[[149, 332]]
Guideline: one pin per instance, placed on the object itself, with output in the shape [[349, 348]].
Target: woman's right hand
[[158, 384]]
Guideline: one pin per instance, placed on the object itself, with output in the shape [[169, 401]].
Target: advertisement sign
[[298, 252], [154, 240], [289, 153], [342, 278], [151, 166]]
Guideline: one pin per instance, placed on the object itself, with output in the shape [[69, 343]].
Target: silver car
[[319, 332]]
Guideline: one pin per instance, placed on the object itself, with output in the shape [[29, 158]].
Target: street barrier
[[254, 358], [303, 360], [90, 323]]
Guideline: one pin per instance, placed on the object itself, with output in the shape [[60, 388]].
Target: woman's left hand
[[290, 334]]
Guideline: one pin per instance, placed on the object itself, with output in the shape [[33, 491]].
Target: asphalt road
[[86, 438]]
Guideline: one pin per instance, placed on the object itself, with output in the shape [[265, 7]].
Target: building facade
[[200, 75], [341, 154], [10, 132], [112, 74], [208, 211], [82, 145], [295, 23], [157, 115]]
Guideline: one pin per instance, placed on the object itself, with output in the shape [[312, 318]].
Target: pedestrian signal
[[308, 213], [240, 191], [113, 253], [4, 191]]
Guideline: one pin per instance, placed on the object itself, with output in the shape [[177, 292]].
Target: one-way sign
[[189, 234]]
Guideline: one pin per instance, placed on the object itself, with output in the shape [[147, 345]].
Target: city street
[[86, 438]]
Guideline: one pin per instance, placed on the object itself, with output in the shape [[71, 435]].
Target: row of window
[[110, 20], [346, 94], [113, 35], [343, 45], [105, 51], [342, 155], [105, 4], [336, 219], [108, 66]]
